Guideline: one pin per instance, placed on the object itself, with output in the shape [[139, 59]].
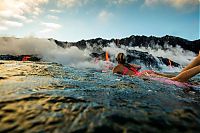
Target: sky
[[74, 20]]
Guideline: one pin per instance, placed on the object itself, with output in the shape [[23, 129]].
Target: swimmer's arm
[[115, 70], [164, 75]]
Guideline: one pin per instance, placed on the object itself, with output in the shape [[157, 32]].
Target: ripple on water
[[86, 100]]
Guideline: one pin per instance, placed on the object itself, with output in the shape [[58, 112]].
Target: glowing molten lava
[[108, 65], [26, 58], [107, 56]]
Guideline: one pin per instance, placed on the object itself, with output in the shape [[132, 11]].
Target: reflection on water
[[46, 97]]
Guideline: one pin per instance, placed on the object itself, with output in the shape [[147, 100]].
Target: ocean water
[[69, 99]]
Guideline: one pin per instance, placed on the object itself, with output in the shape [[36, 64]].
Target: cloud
[[49, 27], [55, 11], [45, 31], [104, 15], [72, 3], [79, 3], [174, 3], [52, 17], [8, 23], [2, 28], [119, 2], [182, 3], [151, 2], [21, 7], [18, 10]]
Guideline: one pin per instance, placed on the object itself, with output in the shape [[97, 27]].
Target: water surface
[[47, 97]]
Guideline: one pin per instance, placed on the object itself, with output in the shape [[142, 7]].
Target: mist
[[113, 50], [73, 56], [47, 50], [177, 54]]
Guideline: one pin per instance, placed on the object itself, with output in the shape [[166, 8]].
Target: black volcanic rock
[[19, 57], [98, 42], [134, 41], [59, 43], [151, 41], [142, 41], [138, 57], [166, 62], [142, 57], [148, 59], [96, 46]]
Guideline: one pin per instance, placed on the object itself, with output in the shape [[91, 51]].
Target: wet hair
[[121, 58]]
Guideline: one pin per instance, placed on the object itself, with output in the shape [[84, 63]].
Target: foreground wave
[[48, 97]]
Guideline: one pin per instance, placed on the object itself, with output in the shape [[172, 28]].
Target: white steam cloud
[[73, 56], [176, 54], [113, 50], [48, 50]]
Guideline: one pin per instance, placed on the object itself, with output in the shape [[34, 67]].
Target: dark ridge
[[133, 41]]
